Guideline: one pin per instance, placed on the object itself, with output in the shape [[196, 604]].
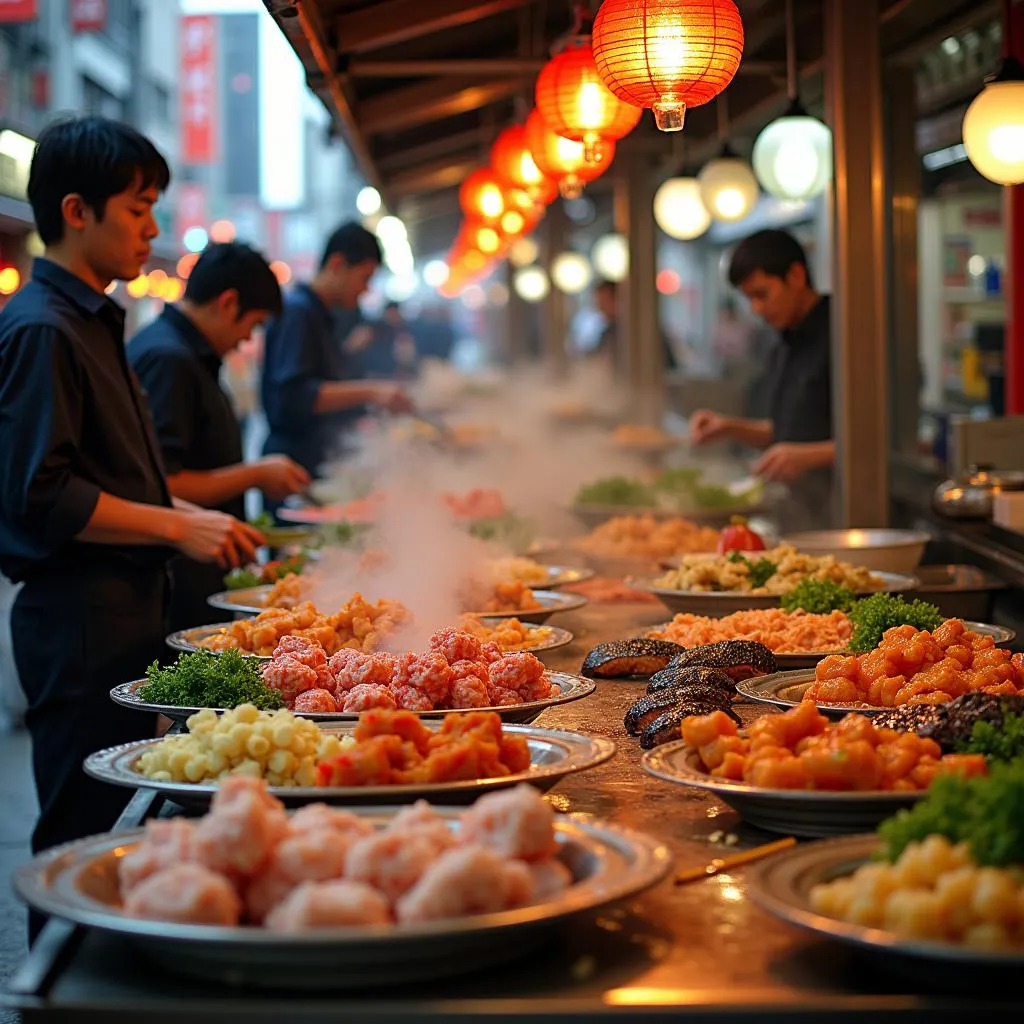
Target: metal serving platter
[[546, 638], [569, 688], [554, 754], [551, 603], [78, 882], [716, 603], [795, 812], [782, 885]]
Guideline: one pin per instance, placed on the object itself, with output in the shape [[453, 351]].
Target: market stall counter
[[700, 949]]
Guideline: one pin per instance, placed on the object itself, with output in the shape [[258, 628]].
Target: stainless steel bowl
[[880, 550]]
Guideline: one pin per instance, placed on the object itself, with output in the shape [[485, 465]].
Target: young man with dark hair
[[770, 269], [86, 520], [305, 389], [229, 293]]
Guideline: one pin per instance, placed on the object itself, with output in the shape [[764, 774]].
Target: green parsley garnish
[[759, 572], [872, 616], [998, 743], [203, 679], [987, 812], [242, 579], [818, 597]]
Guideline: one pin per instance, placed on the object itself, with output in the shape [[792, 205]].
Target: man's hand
[[394, 399], [278, 477], [215, 537], [786, 462], [707, 426]]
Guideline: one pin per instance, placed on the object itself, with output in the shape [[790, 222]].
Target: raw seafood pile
[[248, 861], [913, 666], [396, 748], [681, 682], [359, 624], [456, 672], [802, 749], [781, 632]]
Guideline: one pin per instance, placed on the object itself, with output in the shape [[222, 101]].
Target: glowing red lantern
[[667, 54], [564, 160], [577, 105], [514, 164], [481, 196]]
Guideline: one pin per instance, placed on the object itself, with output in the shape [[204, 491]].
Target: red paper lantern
[[481, 196], [667, 54], [577, 105], [564, 160], [515, 166]]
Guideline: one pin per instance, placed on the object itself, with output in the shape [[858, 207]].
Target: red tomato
[[739, 537]]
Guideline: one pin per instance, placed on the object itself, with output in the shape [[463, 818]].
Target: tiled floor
[[17, 814]]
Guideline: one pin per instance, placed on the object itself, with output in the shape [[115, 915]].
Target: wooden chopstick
[[735, 861]]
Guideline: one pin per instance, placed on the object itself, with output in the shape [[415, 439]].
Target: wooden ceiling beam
[[411, 156], [397, 21], [517, 67], [434, 177], [421, 104]]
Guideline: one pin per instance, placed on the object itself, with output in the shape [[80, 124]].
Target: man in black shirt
[[770, 268], [86, 520], [306, 386], [229, 293]]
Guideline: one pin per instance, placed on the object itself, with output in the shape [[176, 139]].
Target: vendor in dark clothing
[[306, 388], [177, 357], [770, 268], [86, 519]]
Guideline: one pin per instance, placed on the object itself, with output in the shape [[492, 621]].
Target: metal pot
[[970, 496]]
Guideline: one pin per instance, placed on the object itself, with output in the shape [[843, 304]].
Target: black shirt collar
[[73, 287], [192, 336], [815, 324]]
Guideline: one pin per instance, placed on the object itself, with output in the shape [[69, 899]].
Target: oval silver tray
[[796, 812], [782, 885], [716, 603], [190, 639], [554, 754], [78, 882], [570, 688]]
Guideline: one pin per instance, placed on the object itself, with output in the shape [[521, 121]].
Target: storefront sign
[[15, 160], [18, 10], [88, 16], [199, 89], [189, 209]]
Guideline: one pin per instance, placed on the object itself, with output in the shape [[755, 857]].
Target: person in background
[[770, 269], [305, 389], [87, 523], [606, 300], [177, 357]]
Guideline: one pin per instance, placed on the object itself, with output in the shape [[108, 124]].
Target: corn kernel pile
[[271, 745]]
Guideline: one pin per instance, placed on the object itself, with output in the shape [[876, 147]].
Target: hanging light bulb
[[792, 157], [577, 105], [531, 284], [610, 257], [571, 272], [679, 209], [564, 160], [727, 184], [667, 55], [993, 128]]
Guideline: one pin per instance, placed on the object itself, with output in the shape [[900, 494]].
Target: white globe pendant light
[[571, 272], [610, 257], [679, 209], [728, 187], [792, 157], [993, 126], [531, 284]]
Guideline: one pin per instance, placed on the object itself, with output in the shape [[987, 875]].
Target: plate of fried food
[[629, 545], [800, 774], [455, 673], [935, 887], [328, 898], [909, 667], [389, 756]]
